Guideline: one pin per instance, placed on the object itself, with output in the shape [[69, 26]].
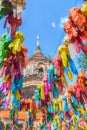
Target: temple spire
[[37, 42]]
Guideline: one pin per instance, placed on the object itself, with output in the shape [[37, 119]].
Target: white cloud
[[62, 21], [53, 24]]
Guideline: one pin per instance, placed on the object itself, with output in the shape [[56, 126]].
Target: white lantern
[[19, 6], [19, 3]]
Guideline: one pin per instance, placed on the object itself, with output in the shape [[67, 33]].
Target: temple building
[[35, 71]]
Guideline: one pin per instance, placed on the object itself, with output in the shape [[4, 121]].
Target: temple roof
[[38, 53]]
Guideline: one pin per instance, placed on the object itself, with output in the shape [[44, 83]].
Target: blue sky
[[44, 17]]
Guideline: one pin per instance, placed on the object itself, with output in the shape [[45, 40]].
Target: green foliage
[[83, 62]]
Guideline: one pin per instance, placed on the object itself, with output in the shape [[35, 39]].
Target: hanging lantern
[[5, 8], [19, 6], [19, 3], [84, 9]]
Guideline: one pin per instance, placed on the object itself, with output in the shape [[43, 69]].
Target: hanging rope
[[75, 2], [62, 35]]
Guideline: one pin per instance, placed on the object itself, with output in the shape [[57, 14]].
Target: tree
[[82, 60]]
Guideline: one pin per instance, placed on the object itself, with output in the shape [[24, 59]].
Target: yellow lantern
[[84, 9]]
